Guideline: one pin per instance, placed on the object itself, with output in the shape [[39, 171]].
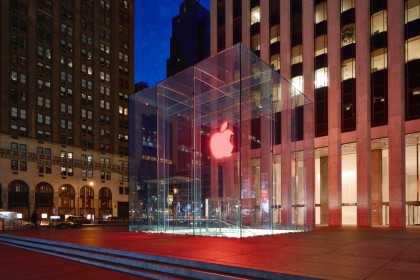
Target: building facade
[[359, 61], [190, 40], [67, 72]]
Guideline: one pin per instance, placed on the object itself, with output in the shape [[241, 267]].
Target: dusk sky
[[153, 28]]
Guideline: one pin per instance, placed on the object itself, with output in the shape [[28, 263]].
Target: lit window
[[321, 12], [348, 35], [412, 10], [296, 54], [13, 76], [379, 22], [255, 15], [379, 59], [274, 34], [412, 49], [346, 5], [321, 78], [348, 69], [320, 45], [297, 83]]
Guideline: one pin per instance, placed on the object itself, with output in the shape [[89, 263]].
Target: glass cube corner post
[[217, 150]]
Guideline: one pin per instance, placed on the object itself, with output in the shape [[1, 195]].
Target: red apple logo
[[220, 144]]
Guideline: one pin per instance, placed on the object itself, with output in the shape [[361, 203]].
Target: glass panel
[[321, 12], [349, 184], [379, 22], [204, 176], [412, 158]]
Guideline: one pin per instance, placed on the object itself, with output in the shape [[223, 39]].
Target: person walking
[[34, 219]]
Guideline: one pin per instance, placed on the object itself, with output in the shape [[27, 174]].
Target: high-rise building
[[67, 72], [190, 40], [359, 61]]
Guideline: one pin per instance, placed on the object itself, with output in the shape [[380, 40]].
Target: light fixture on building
[[416, 91]]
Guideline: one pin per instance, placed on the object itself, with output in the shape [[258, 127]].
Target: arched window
[[44, 195], [67, 196], [86, 196], [18, 194], [105, 198]]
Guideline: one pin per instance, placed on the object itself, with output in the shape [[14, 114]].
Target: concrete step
[[142, 265]]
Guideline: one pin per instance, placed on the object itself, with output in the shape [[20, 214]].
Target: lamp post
[[91, 184]]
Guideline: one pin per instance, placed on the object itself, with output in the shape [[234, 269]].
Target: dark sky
[[152, 32]]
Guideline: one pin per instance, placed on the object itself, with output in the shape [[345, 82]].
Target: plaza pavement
[[327, 253]]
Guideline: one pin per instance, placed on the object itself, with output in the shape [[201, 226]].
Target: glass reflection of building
[[179, 186], [359, 61]]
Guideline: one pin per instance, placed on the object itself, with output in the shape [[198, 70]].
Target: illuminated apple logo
[[220, 144]]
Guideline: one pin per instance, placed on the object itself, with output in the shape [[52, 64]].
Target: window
[[13, 76], [321, 12], [14, 165], [320, 45], [321, 78], [297, 83], [348, 69], [412, 10], [412, 49], [13, 112], [379, 59], [296, 54], [348, 35], [346, 5], [379, 22], [255, 15]]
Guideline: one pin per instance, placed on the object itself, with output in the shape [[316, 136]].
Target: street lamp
[[91, 184]]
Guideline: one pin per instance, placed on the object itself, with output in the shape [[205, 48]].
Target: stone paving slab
[[329, 253]]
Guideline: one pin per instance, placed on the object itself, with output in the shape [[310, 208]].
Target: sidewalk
[[330, 253]]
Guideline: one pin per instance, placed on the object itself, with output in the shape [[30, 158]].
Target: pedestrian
[[34, 219]]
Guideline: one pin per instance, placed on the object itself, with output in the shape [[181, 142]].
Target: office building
[[359, 61], [190, 40], [67, 72]]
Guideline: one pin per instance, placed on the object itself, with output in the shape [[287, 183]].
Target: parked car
[[78, 220], [67, 224], [27, 225]]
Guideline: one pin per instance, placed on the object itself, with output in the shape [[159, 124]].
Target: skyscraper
[[359, 61], [67, 72], [190, 40]]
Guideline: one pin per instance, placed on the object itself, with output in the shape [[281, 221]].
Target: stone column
[[265, 32], [377, 187], [334, 114], [323, 185], [286, 146], [363, 116], [396, 114], [229, 23], [246, 23], [308, 113]]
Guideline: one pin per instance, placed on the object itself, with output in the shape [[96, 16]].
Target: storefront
[[222, 158]]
